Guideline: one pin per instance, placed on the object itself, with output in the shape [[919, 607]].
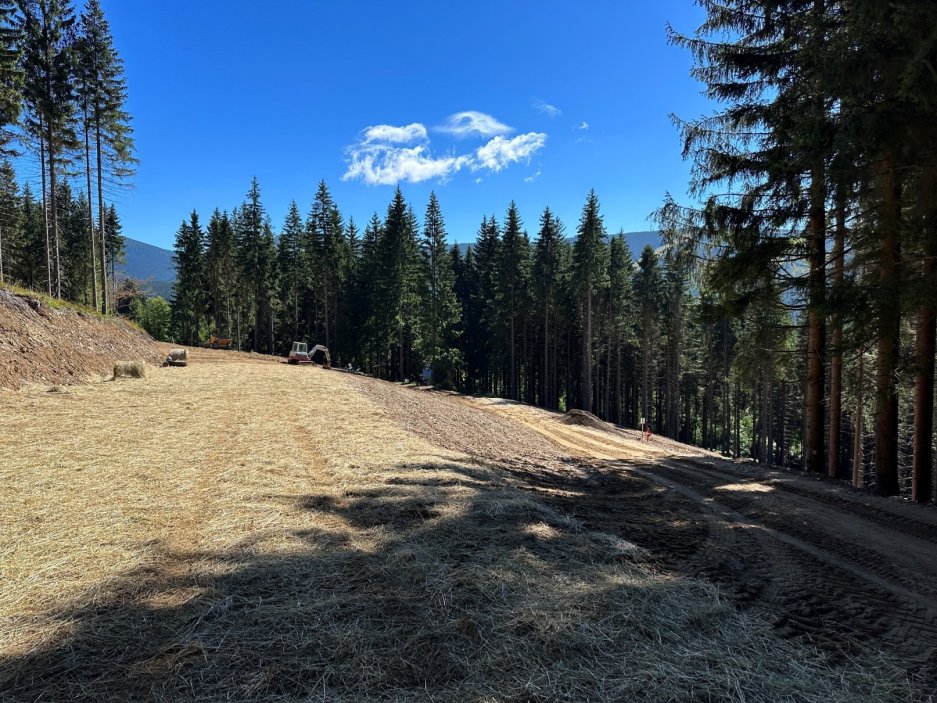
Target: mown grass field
[[244, 530]]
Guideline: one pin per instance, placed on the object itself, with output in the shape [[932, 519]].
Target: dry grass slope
[[243, 530]]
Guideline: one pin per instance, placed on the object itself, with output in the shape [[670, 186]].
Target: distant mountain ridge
[[149, 265], [153, 268]]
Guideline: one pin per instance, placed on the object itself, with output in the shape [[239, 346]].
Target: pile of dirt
[[586, 419], [50, 345]]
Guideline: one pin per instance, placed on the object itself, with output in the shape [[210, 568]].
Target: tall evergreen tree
[[288, 265], [512, 286], [648, 290], [440, 312], [590, 254], [49, 98], [102, 91], [12, 247], [187, 299], [396, 288], [546, 281]]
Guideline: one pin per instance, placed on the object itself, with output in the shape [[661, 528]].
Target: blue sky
[[483, 102]]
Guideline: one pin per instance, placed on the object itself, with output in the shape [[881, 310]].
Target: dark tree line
[[555, 321], [818, 177], [62, 97]]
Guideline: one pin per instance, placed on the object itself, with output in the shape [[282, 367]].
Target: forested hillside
[[789, 318], [63, 122]]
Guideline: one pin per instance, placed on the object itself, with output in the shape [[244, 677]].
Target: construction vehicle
[[300, 354], [218, 342]]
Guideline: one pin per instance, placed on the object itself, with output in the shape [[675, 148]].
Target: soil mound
[[46, 344], [586, 419]]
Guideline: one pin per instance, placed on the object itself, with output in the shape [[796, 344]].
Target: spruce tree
[[620, 316], [12, 248], [648, 291], [102, 92], [546, 280], [590, 255], [396, 288], [188, 298], [49, 98], [486, 255], [440, 310], [288, 265], [512, 286]]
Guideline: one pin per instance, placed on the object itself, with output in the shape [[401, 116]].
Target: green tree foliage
[[511, 292], [102, 95], [590, 265], [48, 61], [440, 309], [397, 289], [154, 315], [548, 277], [188, 296], [13, 248], [288, 265]]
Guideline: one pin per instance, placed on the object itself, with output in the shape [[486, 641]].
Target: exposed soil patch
[[40, 344]]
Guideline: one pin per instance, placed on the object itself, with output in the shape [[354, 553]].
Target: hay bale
[[178, 357], [129, 369]]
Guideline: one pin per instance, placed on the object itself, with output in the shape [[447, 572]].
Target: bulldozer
[[300, 354]]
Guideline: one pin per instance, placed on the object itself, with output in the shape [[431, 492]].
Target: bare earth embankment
[[244, 530], [42, 344]]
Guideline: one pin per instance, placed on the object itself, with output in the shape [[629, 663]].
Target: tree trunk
[[726, 428], [738, 419], [586, 391], [889, 332], [922, 478], [546, 352], [100, 174], [513, 380], [816, 322], [45, 207], [858, 472], [91, 249], [836, 341], [53, 198]]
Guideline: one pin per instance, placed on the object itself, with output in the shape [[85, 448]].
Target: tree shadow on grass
[[444, 582]]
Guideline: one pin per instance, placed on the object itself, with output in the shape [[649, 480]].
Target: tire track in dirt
[[922, 526], [849, 580], [897, 559]]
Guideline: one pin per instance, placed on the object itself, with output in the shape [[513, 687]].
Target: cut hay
[[129, 369], [262, 556]]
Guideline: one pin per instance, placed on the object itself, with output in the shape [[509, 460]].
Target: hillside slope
[[43, 344], [241, 529]]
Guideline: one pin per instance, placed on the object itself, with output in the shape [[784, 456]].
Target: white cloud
[[386, 164], [501, 152], [470, 122], [397, 135], [547, 109], [478, 180], [388, 154], [531, 179], [583, 125]]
